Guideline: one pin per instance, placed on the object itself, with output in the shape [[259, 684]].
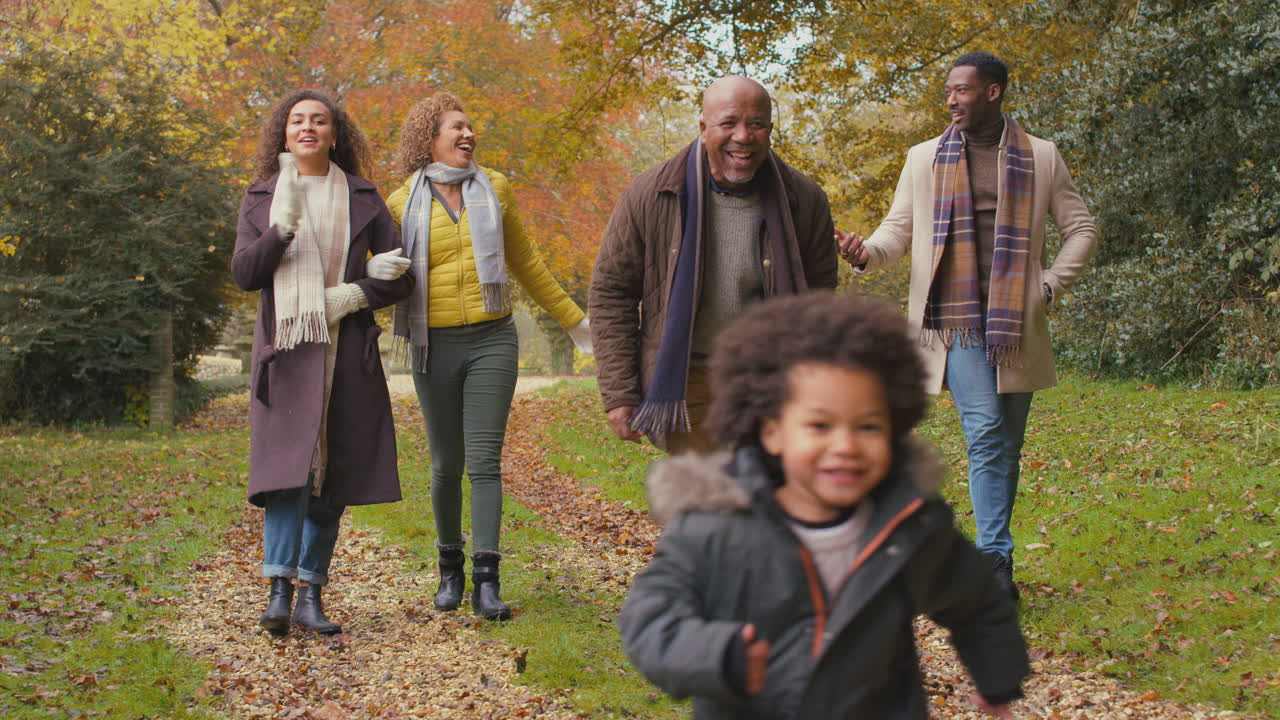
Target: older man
[[971, 206], [691, 242]]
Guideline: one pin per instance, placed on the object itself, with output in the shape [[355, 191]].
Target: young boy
[[789, 573]]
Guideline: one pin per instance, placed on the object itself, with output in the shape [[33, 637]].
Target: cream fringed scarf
[[299, 278]]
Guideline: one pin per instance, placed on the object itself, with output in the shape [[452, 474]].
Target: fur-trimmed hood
[[728, 482]]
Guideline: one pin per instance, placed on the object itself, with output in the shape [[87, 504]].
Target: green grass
[[588, 450], [1146, 533], [1146, 528], [1152, 517], [564, 613], [97, 528]]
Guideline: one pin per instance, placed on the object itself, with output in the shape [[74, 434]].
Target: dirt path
[[397, 658], [400, 658]]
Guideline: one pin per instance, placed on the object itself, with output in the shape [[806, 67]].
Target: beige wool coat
[[909, 227]]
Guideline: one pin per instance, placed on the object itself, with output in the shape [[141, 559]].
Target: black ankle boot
[[309, 613], [452, 579], [484, 587], [1003, 568], [279, 603]]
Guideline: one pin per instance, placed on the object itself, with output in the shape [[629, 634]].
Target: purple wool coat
[[287, 387]]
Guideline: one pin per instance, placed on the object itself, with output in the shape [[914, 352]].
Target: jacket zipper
[[457, 239], [816, 591]]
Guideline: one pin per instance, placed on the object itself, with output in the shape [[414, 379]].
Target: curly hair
[[421, 126], [753, 357], [351, 152]]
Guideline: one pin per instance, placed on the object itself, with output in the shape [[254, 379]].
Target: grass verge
[[586, 449], [99, 526]]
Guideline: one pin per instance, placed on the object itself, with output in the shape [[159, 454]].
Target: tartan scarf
[[953, 311], [299, 279], [410, 327]]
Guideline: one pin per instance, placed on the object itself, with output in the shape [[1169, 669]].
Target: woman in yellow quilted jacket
[[462, 235]]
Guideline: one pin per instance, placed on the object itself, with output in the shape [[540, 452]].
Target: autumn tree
[[119, 230], [234, 59], [508, 70]]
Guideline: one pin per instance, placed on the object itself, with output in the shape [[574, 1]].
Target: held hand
[[620, 423], [388, 265], [851, 249], [342, 300], [286, 206], [757, 659], [580, 334], [996, 711]]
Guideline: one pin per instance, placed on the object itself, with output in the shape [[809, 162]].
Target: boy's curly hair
[[753, 357], [421, 126], [351, 153]]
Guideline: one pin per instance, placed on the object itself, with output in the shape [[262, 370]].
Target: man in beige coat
[[971, 207]]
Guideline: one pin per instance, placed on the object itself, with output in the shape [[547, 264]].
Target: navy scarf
[[664, 408]]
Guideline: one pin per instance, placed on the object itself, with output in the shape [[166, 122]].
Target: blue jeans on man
[[994, 426]]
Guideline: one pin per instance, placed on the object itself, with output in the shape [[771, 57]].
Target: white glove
[[388, 265], [286, 206], [342, 300], [580, 334]]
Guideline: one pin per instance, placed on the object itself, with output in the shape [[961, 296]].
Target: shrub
[[113, 218], [1170, 129]]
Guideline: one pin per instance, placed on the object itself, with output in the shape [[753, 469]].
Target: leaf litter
[[400, 658]]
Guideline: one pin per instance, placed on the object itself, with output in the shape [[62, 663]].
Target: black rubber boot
[[279, 604], [485, 586], [453, 579], [1003, 568], [309, 613]]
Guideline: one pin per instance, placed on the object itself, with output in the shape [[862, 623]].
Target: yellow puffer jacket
[[452, 281]]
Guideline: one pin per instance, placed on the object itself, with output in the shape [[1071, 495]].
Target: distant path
[[402, 383]]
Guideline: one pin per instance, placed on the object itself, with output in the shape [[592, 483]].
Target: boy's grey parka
[[728, 557]]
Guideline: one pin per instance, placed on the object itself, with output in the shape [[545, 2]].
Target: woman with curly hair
[[321, 435], [463, 234]]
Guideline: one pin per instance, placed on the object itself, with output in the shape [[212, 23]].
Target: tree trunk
[[160, 392], [561, 354], [559, 345]]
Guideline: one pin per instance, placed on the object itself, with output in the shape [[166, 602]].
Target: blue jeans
[[298, 535], [994, 426]]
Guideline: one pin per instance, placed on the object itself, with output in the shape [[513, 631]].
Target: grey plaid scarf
[[484, 215]]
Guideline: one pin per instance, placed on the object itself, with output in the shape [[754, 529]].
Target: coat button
[[893, 550], [767, 262], [675, 250]]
